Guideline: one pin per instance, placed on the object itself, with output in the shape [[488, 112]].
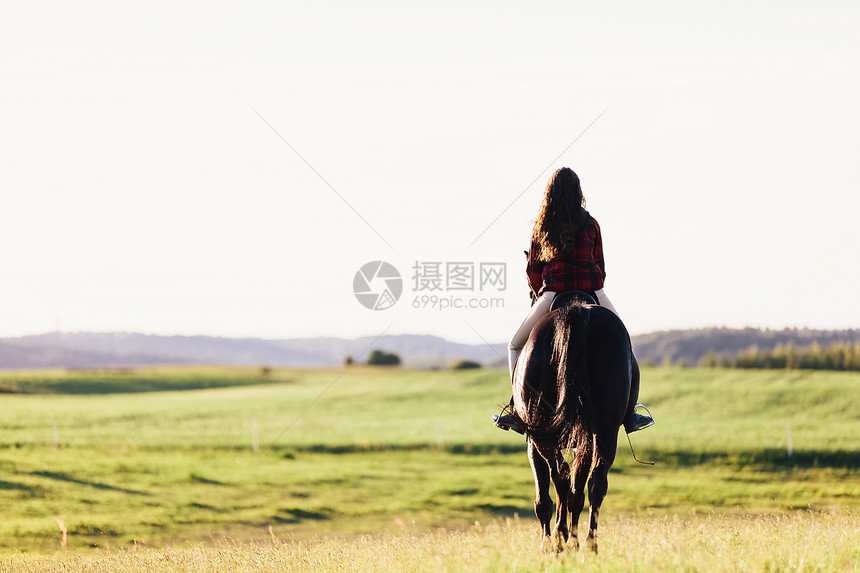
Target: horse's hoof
[[545, 544], [558, 541]]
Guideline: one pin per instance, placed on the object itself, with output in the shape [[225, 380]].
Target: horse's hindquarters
[[574, 385]]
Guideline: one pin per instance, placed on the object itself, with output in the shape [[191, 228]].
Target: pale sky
[[142, 191]]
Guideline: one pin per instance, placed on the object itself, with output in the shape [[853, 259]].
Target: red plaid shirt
[[583, 269]]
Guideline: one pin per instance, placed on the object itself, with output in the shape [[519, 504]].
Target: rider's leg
[[518, 340], [603, 300]]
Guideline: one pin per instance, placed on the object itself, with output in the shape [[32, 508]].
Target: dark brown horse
[[575, 382]]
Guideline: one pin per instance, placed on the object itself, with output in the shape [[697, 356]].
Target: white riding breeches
[[539, 309]]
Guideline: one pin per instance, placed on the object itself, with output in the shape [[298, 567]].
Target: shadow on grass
[[92, 530], [296, 515], [120, 382], [30, 490], [506, 510], [766, 459], [463, 449], [102, 486], [772, 459], [197, 478], [469, 491]]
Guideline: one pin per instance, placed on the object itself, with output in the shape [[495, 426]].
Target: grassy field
[[394, 454], [798, 541]]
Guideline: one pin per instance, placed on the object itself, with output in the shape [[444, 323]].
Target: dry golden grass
[[799, 541]]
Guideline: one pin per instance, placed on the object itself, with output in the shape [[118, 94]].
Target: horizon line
[[341, 337]]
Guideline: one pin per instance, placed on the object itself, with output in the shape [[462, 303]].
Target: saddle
[[567, 296]]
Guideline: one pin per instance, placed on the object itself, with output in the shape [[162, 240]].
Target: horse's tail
[[574, 413], [571, 422]]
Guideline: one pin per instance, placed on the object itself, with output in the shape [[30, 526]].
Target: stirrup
[[506, 421], [644, 421], [641, 405]]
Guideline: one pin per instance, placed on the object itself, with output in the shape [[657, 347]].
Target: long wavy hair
[[562, 215]]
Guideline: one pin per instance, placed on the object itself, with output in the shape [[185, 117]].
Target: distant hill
[[124, 349], [128, 349], [692, 345]]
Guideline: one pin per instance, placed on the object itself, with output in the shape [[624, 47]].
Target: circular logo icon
[[377, 285]]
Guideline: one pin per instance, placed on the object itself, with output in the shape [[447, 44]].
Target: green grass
[[375, 449], [130, 380]]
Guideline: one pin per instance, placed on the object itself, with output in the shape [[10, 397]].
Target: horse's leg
[[543, 502], [560, 473], [581, 469], [561, 478], [604, 455]]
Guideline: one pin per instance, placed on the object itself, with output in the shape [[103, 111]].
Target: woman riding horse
[[566, 254]]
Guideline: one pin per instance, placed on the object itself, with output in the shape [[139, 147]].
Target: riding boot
[[636, 421], [507, 421], [503, 420]]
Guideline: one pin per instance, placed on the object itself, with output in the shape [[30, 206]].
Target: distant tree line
[[465, 365], [377, 358], [837, 356], [720, 346], [381, 358]]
